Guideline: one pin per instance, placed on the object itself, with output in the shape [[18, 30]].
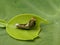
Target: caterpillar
[[28, 25]]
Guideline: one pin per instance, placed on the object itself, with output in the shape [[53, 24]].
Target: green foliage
[[48, 9]]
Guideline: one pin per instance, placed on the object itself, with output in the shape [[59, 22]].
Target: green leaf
[[47, 9], [21, 33]]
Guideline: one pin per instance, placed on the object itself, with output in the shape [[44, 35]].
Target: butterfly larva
[[29, 25]]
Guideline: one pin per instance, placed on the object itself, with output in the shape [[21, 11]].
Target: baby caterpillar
[[28, 25]]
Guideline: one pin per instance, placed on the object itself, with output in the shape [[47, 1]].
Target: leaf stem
[[2, 23]]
